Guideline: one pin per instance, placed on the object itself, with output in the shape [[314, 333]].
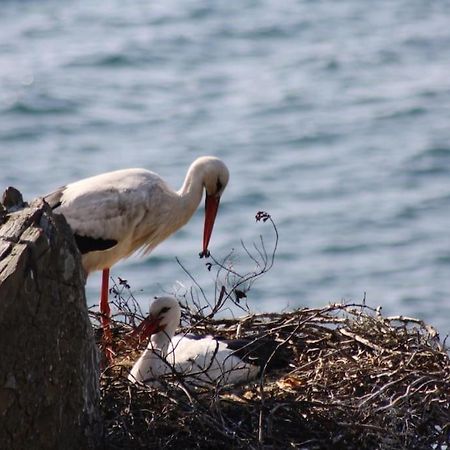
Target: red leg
[[106, 314]]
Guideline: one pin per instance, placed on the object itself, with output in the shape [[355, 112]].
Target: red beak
[[150, 325], [211, 207]]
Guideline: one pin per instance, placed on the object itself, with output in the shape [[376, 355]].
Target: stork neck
[[160, 341], [192, 190]]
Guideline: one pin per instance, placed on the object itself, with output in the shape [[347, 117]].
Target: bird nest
[[355, 379]]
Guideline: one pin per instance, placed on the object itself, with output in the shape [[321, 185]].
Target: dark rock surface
[[49, 393]]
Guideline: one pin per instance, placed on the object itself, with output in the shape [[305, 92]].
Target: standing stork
[[116, 213]]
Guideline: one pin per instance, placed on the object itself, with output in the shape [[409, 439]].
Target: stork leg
[[106, 315]]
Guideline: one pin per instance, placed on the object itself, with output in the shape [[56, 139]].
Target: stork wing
[[109, 208]]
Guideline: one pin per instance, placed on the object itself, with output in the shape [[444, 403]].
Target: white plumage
[[204, 360], [116, 213], [136, 208]]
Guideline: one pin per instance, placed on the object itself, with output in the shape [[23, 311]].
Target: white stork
[[201, 360], [116, 213]]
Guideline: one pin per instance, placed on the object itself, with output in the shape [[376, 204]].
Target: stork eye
[[164, 310], [219, 186]]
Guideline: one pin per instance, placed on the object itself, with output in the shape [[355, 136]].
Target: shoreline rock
[[49, 369]]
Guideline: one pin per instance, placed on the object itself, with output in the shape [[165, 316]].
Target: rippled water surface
[[332, 116]]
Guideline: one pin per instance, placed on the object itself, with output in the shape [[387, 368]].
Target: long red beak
[[211, 207], [150, 325]]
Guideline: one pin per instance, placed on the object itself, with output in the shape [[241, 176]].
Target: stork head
[[216, 175], [165, 315]]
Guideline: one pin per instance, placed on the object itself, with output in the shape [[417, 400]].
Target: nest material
[[356, 380]]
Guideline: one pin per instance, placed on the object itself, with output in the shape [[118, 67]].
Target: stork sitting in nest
[[200, 360]]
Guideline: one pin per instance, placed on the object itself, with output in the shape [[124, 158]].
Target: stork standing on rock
[[116, 213]]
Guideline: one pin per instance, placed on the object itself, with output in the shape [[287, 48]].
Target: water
[[332, 116]]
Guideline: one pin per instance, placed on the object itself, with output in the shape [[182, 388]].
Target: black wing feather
[[259, 352], [88, 244]]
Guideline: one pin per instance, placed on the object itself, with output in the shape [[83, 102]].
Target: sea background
[[334, 117]]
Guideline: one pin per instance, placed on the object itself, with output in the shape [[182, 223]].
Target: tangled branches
[[355, 380]]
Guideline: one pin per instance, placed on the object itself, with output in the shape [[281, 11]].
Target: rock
[[12, 199], [49, 391]]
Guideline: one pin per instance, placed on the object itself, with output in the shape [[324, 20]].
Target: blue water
[[332, 116]]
